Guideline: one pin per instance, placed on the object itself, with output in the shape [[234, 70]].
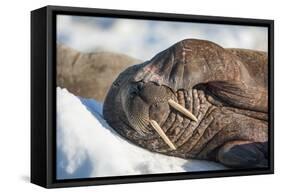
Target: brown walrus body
[[89, 74], [225, 90]]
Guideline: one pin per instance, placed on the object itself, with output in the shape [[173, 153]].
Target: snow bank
[[88, 147]]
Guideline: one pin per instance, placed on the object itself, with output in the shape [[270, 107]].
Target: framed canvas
[[126, 96]]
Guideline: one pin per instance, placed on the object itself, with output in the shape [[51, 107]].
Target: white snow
[[88, 147]]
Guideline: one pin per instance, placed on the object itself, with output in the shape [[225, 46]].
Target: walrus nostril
[[159, 112]]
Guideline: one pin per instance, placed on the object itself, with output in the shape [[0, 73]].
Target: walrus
[[89, 75], [195, 100]]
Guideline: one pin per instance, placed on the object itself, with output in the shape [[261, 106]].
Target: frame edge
[[38, 168]]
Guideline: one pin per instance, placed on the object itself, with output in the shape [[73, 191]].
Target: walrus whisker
[[162, 134], [142, 124], [135, 123], [181, 109]]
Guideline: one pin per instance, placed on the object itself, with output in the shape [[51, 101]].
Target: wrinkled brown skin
[[226, 89]]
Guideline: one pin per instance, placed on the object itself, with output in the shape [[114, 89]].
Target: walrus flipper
[[243, 154], [240, 95]]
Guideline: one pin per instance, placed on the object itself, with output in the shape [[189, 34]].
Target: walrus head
[[143, 96]]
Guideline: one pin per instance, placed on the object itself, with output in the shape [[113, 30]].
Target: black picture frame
[[43, 95]]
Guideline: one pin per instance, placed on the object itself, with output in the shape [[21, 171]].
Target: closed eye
[[137, 87]]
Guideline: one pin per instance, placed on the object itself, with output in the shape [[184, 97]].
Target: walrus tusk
[[182, 110], [162, 134]]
